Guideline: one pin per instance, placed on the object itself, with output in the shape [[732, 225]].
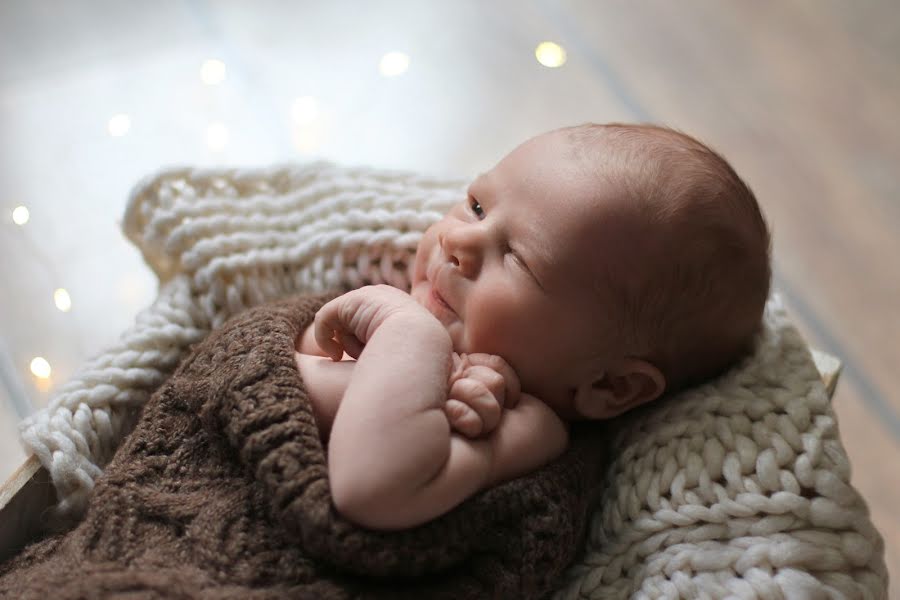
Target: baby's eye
[[476, 207]]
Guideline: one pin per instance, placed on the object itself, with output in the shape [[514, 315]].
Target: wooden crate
[[28, 493]]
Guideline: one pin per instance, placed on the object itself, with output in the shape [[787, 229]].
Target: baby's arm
[[325, 382], [481, 387], [394, 461], [523, 436], [529, 433], [390, 439], [528, 437]]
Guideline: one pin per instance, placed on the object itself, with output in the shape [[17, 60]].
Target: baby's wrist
[[417, 328]]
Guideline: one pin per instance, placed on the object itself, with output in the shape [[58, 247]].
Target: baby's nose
[[463, 250]]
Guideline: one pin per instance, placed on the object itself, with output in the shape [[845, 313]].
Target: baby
[[593, 269]]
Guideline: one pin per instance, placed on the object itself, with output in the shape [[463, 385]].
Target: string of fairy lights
[[304, 111]]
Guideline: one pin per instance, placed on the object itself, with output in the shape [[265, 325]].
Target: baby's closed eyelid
[[508, 250], [522, 264]]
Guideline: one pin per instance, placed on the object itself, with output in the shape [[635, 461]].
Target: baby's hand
[[349, 321], [481, 386]]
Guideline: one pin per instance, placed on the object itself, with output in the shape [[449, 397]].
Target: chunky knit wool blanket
[[736, 488]]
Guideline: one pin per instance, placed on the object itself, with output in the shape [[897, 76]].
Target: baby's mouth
[[436, 300], [440, 299]]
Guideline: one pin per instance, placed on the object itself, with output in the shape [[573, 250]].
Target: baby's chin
[[421, 292]]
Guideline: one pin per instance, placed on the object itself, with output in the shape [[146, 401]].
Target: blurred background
[[802, 96]]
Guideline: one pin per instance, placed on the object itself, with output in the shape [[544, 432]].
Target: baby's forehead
[[556, 192], [479, 182]]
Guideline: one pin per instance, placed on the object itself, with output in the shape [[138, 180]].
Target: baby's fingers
[[492, 381], [329, 332], [510, 388], [463, 419], [476, 395], [351, 344]]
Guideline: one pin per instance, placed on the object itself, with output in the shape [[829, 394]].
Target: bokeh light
[[304, 110], [212, 72], [119, 125], [550, 54], [306, 140], [393, 64], [62, 300], [40, 368], [20, 215]]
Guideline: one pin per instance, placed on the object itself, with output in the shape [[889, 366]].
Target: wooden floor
[[802, 96]]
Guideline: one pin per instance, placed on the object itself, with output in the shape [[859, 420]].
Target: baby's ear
[[630, 383]]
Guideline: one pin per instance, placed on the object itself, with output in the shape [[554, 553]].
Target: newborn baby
[[593, 269]]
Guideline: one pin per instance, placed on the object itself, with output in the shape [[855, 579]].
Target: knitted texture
[[222, 490], [222, 241], [739, 487]]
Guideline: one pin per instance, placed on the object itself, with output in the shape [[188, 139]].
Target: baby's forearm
[[326, 382], [390, 436]]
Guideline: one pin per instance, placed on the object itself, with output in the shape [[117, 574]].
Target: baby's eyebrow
[[480, 181]]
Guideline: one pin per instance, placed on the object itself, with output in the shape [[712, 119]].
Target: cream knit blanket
[[737, 488]]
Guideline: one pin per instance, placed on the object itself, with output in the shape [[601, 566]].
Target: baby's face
[[514, 268]]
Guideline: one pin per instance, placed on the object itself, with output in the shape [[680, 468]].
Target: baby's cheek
[[427, 246], [524, 350], [492, 334], [416, 271]]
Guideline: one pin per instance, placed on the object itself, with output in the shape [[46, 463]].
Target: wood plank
[[830, 368], [24, 500], [872, 453]]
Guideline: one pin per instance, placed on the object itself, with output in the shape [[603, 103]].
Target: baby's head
[[606, 263]]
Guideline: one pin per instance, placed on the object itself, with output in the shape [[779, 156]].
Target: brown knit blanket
[[221, 491]]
